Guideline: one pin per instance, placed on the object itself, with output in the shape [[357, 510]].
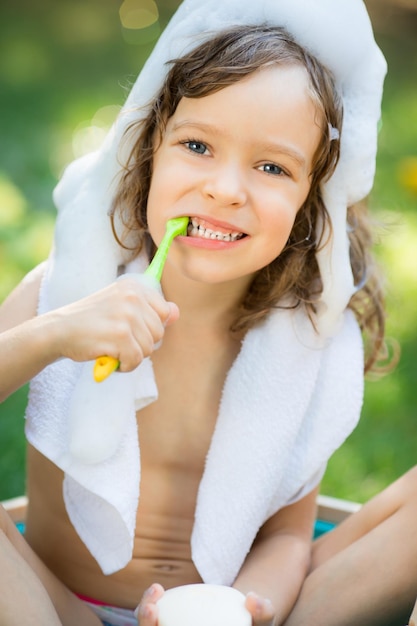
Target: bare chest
[[176, 430], [190, 376]]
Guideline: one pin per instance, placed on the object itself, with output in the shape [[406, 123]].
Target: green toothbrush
[[106, 365]]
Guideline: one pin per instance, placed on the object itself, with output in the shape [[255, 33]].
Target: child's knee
[[412, 476], [401, 495], [4, 519], [7, 526], [409, 485]]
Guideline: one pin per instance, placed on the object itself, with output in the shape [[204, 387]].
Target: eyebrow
[[271, 147], [285, 149], [198, 125]]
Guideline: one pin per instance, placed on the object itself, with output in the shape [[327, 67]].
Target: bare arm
[[22, 303], [19, 347], [278, 562], [124, 320]]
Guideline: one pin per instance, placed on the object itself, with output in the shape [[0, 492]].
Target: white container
[[203, 605]]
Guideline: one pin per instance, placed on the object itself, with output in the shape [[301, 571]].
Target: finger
[[136, 346], [147, 615], [153, 323], [261, 609], [135, 291], [151, 312], [147, 612], [146, 305], [130, 359], [152, 594], [139, 339], [174, 314], [149, 288]]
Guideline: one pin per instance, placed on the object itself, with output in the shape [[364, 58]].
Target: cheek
[[281, 218], [277, 230], [289, 210]]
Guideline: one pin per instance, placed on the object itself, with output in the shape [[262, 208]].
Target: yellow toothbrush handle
[[103, 367]]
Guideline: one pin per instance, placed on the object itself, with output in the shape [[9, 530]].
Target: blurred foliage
[[65, 69], [383, 445]]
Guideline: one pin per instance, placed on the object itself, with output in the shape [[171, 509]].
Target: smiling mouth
[[197, 229]]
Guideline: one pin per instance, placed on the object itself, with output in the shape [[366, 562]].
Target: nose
[[226, 185]]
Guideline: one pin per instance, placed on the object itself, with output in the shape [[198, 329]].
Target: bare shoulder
[[21, 304]]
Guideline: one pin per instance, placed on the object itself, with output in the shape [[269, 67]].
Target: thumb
[[173, 314]]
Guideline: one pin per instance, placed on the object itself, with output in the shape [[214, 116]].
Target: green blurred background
[[65, 69]]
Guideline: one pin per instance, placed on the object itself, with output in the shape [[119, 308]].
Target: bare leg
[[30, 593], [413, 618], [365, 571]]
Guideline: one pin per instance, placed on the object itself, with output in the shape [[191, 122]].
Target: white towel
[[287, 404]]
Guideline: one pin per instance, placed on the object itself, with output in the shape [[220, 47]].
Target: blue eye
[[271, 168], [196, 146]]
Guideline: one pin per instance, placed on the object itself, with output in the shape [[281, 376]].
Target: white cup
[[203, 605]]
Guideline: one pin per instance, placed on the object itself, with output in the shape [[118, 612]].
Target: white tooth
[[197, 230]]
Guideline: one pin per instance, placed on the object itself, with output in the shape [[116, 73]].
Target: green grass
[[12, 447], [60, 64]]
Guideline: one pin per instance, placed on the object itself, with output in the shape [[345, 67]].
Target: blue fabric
[[321, 527]]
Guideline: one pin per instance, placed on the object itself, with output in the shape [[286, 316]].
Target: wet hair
[[293, 277]]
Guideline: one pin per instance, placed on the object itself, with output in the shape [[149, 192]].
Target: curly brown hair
[[294, 275]]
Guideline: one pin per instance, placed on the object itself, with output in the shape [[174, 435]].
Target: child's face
[[238, 163]]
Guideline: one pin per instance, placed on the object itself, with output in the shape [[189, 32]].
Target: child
[[236, 123]]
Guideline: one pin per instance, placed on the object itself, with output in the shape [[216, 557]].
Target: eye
[[196, 146], [272, 168]]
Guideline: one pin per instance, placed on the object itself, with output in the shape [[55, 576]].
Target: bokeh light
[[13, 204], [140, 21], [407, 173], [138, 14]]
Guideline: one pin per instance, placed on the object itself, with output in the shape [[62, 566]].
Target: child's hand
[[261, 609], [147, 611], [124, 320]]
